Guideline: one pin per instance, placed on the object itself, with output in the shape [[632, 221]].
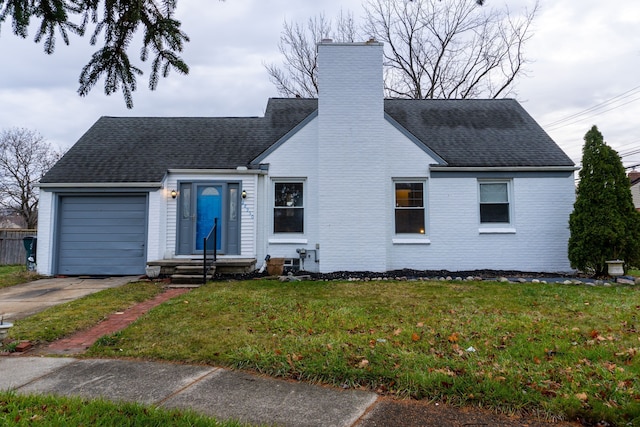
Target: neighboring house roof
[[478, 133]]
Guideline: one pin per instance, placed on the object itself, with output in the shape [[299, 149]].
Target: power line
[[578, 120], [573, 118]]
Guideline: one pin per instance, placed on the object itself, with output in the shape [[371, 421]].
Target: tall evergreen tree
[[604, 224]]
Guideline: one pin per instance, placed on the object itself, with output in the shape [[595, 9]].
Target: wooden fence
[[11, 247]]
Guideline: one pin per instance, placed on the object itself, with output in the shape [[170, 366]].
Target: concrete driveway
[[19, 301]]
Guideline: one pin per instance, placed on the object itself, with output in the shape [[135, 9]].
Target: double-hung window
[[288, 210], [495, 206], [410, 208]]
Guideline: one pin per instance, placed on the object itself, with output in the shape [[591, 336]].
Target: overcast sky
[[586, 61]]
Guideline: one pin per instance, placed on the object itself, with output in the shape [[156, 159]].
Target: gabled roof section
[[478, 133], [142, 149]]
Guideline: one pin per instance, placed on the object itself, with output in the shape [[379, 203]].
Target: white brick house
[[347, 182]]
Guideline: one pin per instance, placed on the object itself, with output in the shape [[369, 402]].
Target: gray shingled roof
[[494, 132], [142, 149]]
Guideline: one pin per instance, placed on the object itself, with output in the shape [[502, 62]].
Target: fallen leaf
[[329, 347], [278, 352], [397, 332], [456, 348], [446, 371], [420, 325], [363, 363], [290, 362], [372, 343], [594, 333], [628, 353], [581, 396], [415, 337], [453, 337]]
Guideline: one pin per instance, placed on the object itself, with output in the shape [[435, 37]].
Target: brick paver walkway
[[79, 342]]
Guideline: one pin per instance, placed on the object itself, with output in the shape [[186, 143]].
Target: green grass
[[11, 275], [65, 319], [557, 351], [19, 410]]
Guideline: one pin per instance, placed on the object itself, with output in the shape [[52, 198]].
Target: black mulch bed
[[406, 274]]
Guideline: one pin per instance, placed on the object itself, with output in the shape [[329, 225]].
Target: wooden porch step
[[191, 274], [188, 279], [193, 269], [223, 265]]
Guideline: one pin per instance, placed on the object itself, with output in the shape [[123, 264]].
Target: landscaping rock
[[625, 280]]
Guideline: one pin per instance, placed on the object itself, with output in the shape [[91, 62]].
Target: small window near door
[[494, 203], [185, 202], [410, 214], [288, 211]]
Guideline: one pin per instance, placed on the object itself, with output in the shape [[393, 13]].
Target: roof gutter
[[439, 168], [241, 170], [99, 185]]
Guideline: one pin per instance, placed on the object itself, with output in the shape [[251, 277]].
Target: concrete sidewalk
[[212, 391], [225, 394]]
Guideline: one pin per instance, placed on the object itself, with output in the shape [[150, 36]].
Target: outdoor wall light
[[174, 194], [244, 194]]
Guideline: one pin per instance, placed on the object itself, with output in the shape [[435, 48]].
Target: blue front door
[[208, 207], [197, 205]]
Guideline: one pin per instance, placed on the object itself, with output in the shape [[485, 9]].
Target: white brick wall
[[295, 159], [635, 194], [541, 219]]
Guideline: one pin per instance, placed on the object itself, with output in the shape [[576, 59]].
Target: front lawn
[[556, 351], [18, 410], [65, 319], [15, 274]]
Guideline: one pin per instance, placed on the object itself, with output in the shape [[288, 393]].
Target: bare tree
[[25, 156], [433, 49], [298, 45]]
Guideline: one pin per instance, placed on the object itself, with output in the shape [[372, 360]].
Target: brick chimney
[[351, 151]]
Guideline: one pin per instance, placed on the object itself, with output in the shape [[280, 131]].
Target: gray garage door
[[102, 235]]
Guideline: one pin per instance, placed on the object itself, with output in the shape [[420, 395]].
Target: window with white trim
[[288, 210], [495, 203], [409, 208]]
